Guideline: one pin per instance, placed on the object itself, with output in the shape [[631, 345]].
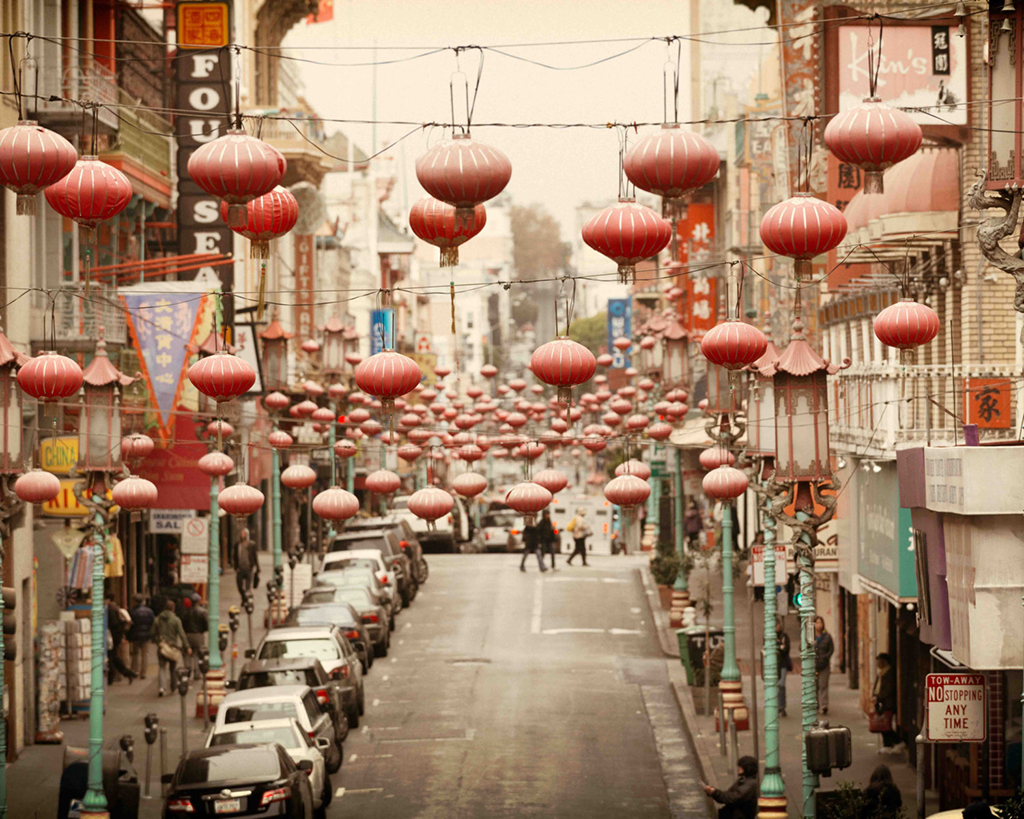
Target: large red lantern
[[733, 344], [488, 371], [237, 168], [298, 476], [724, 483], [430, 503], [50, 377], [434, 222], [222, 376], [335, 504], [528, 499], [37, 486], [873, 136], [634, 467], [387, 375], [135, 493], [90, 193], [714, 456], [627, 233], [563, 363], [345, 449], [137, 446], [279, 439], [216, 464], [33, 158], [409, 452], [802, 227], [463, 173], [469, 484], [552, 480], [241, 500], [268, 217], [659, 431], [905, 325], [627, 491], [671, 163], [383, 482]]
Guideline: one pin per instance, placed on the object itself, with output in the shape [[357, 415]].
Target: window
[[257, 711], [283, 735], [369, 542], [318, 648], [244, 764], [290, 676], [313, 709]]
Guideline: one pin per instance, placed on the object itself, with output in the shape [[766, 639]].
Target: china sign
[[956, 708]]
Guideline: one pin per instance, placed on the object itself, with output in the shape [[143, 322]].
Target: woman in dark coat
[[884, 693], [882, 799]]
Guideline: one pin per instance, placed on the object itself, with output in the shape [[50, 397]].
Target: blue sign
[[382, 330], [620, 324]]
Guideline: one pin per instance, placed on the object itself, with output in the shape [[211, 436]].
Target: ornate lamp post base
[[680, 602], [771, 807], [732, 700], [215, 690]]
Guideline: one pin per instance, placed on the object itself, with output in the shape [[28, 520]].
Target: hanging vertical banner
[[162, 326], [701, 311], [204, 72], [620, 323], [697, 233], [304, 286]]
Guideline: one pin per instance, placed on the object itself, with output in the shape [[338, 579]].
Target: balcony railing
[[144, 136], [875, 408], [95, 83], [78, 319]]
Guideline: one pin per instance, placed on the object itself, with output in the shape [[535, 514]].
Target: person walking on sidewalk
[[740, 801], [884, 693], [247, 567], [823, 648], [882, 799], [196, 623], [118, 621], [548, 537], [785, 661], [139, 635], [580, 530], [531, 543], [171, 645], [693, 525]]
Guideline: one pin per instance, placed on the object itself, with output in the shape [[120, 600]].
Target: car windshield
[[502, 518], [358, 597], [289, 676], [319, 648], [241, 764], [338, 615], [351, 545], [354, 563], [256, 711], [348, 577], [282, 734], [319, 595]]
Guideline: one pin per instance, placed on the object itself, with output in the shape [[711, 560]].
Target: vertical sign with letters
[[620, 323], [204, 72], [304, 255]]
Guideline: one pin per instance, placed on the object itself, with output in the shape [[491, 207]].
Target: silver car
[[289, 735]]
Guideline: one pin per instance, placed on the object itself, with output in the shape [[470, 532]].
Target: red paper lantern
[[905, 325], [216, 464], [802, 227], [552, 480], [276, 401], [713, 457], [371, 428], [135, 493], [335, 504], [627, 491], [724, 483], [563, 363], [31, 159], [223, 427], [388, 375], [137, 445], [222, 376], [488, 371], [267, 217], [279, 439], [241, 500], [670, 163], [434, 222], [605, 360], [345, 449], [637, 422], [594, 443], [622, 344], [430, 503], [383, 482], [409, 452], [310, 345], [463, 173], [298, 476], [92, 192], [237, 168], [323, 415], [304, 409], [528, 499], [733, 344], [469, 484], [627, 233], [37, 486], [873, 136], [659, 432], [634, 467], [50, 377]]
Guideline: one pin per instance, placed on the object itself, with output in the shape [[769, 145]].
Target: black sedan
[[240, 780]]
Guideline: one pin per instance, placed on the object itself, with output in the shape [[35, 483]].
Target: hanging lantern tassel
[[26, 204], [87, 234], [451, 284], [261, 302], [449, 257], [260, 248], [627, 274]]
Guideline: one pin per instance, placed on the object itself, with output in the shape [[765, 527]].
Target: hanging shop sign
[[757, 561], [304, 253], [168, 521], [986, 403], [956, 708], [620, 324], [58, 455]]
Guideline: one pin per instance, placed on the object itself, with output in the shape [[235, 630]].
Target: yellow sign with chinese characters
[[58, 455]]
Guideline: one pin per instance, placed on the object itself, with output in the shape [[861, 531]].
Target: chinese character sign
[[987, 402], [620, 323], [203, 25], [696, 232], [701, 305], [162, 326], [304, 286]]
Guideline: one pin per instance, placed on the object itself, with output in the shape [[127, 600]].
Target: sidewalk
[[844, 709], [33, 781]]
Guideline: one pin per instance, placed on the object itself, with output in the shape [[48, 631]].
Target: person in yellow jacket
[[580, 530]]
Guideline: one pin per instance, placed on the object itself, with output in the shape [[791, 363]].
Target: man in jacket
[[823, 648], [171, 644], [547, 536], [195, 623], [531, 543], [139, 634], [740, 801]]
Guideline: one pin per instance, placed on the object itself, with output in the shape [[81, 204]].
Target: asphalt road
[[511, 694]]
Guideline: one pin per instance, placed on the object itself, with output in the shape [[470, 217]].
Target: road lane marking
[[538, 602], [353, 757], [357, 791], [380, 756], [384, 678], [341, 791], [634, 611], [623, 631], [612, 631], [376, 702], [468, 737], [365, 729]]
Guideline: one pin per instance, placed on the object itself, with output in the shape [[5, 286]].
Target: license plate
[[227, 806]]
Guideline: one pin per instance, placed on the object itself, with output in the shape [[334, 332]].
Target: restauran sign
[[956, 708]]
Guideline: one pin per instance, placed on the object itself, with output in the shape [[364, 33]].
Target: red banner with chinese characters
[[987, 403], [700, 311], [180, 483], [696, 233], [844, 181], [304, 286]]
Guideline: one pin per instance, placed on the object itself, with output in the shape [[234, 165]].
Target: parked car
[[344, 617], [387, 542], [283, 702], [408, 540], [296, 671], [289, 735], [240, 780], [366, 579], [447, 534], [374, 615], [502, 528], [372, 559], [329, 645]]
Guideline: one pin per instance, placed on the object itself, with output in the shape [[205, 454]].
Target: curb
[[669, 647], [703, 751]]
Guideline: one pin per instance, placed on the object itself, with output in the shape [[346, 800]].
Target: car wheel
[[424, 570], [362, 702], [391, 624], [335, 761], [328, 792], [353, 716], [381, 648]]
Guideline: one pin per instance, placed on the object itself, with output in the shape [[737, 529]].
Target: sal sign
[[956, 707]]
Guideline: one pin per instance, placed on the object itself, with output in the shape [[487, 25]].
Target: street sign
[[58, 455], [194, 569], [65, 505], [195, 537], [168, 521], [757, 561], [956, 708]]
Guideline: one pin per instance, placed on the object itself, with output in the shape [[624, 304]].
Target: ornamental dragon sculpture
[[992, 231]]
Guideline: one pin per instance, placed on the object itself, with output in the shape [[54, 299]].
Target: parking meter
[[271, 591], [204, 661], [293, 559], [182, 675], [222, 637], [127, 743], [249, 603], [233, 615], [152, 725], [279, 576]]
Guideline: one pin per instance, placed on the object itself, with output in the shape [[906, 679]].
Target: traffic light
[[10, 623], [828, 748]]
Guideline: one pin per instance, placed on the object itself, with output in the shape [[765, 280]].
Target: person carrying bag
[[580, 530]]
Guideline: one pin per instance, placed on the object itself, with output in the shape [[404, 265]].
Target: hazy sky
[[558, 168]]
